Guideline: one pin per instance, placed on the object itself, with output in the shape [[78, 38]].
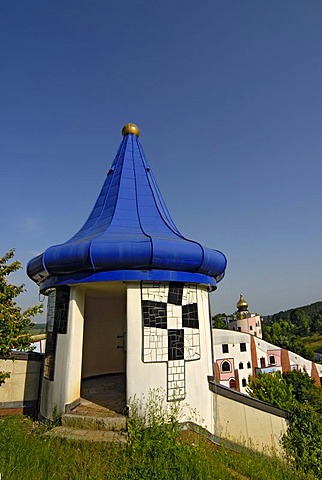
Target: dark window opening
[[241, 365], [242, 347], [225, 348], [272, 359], [232, 383], [244, 383], [249, 365], [225, 367], [57, 317]]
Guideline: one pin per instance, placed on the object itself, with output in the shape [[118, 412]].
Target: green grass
[[314, 342], [156, 453]]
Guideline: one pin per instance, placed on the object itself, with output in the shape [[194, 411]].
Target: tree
[[302, 442], [301, 321], [297, 393], [219, 321], [271, 388], [281, 333], [14, 323]]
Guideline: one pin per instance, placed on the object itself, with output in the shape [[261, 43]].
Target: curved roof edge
[[127, 276]]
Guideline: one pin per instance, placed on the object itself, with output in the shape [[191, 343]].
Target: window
[[249, 365], [232, 383], [241, 365], [225, 366], [272, 359], [244, 383], [242, 347], [225, 348]]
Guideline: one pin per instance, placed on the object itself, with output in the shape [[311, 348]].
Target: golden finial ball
[[130, 128]]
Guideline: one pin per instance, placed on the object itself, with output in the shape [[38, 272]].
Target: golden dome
[[130, 128], [242, 305]]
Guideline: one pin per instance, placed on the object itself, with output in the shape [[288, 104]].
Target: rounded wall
[[172, 351], [62, 366]]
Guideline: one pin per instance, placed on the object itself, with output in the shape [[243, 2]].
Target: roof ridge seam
[[178, 234], [137, 207], [149, 178], [116, 160]]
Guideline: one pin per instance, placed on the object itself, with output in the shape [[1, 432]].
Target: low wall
[[247, 421], [20, 392]]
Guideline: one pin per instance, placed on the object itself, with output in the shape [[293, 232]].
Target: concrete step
[[112, 423], [87, 435]]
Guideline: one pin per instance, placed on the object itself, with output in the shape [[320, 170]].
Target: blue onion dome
[[129, 234]]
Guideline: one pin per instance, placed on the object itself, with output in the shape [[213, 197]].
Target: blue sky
[[228, 98]]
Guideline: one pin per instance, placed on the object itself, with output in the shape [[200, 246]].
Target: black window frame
[[242, 347], [225, 348]]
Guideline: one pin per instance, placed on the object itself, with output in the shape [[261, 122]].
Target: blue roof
[[128, 235]]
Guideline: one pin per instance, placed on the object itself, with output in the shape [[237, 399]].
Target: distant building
[[240, 352], [244, 321]]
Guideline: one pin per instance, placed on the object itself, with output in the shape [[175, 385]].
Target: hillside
[[312, 311], [298, 329]]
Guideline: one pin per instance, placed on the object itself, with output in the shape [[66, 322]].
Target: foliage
[[306, 319], [219, 321], [271, 388], [297, 393], [26, 453], [287, 328], [282, 334], [14, 323], [303, 440]]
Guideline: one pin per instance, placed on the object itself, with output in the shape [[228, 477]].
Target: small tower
[[128, 294], [244, 321]]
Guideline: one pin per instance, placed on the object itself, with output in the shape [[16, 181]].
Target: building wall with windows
[[251, 325], [238, 355], [232, 349]]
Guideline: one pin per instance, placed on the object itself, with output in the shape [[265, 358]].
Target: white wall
[[23, 384], [65, 388], [142, 377], [247, 425], [233, 340]]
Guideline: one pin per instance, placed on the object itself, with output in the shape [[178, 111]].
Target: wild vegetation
[[156, 450], [297, 393], [14, 323]]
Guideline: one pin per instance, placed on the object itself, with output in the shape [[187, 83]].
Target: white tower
[[128, 295]]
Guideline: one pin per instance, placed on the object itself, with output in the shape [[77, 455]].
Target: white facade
[[234, 348], [102, 317], [246, 353]]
